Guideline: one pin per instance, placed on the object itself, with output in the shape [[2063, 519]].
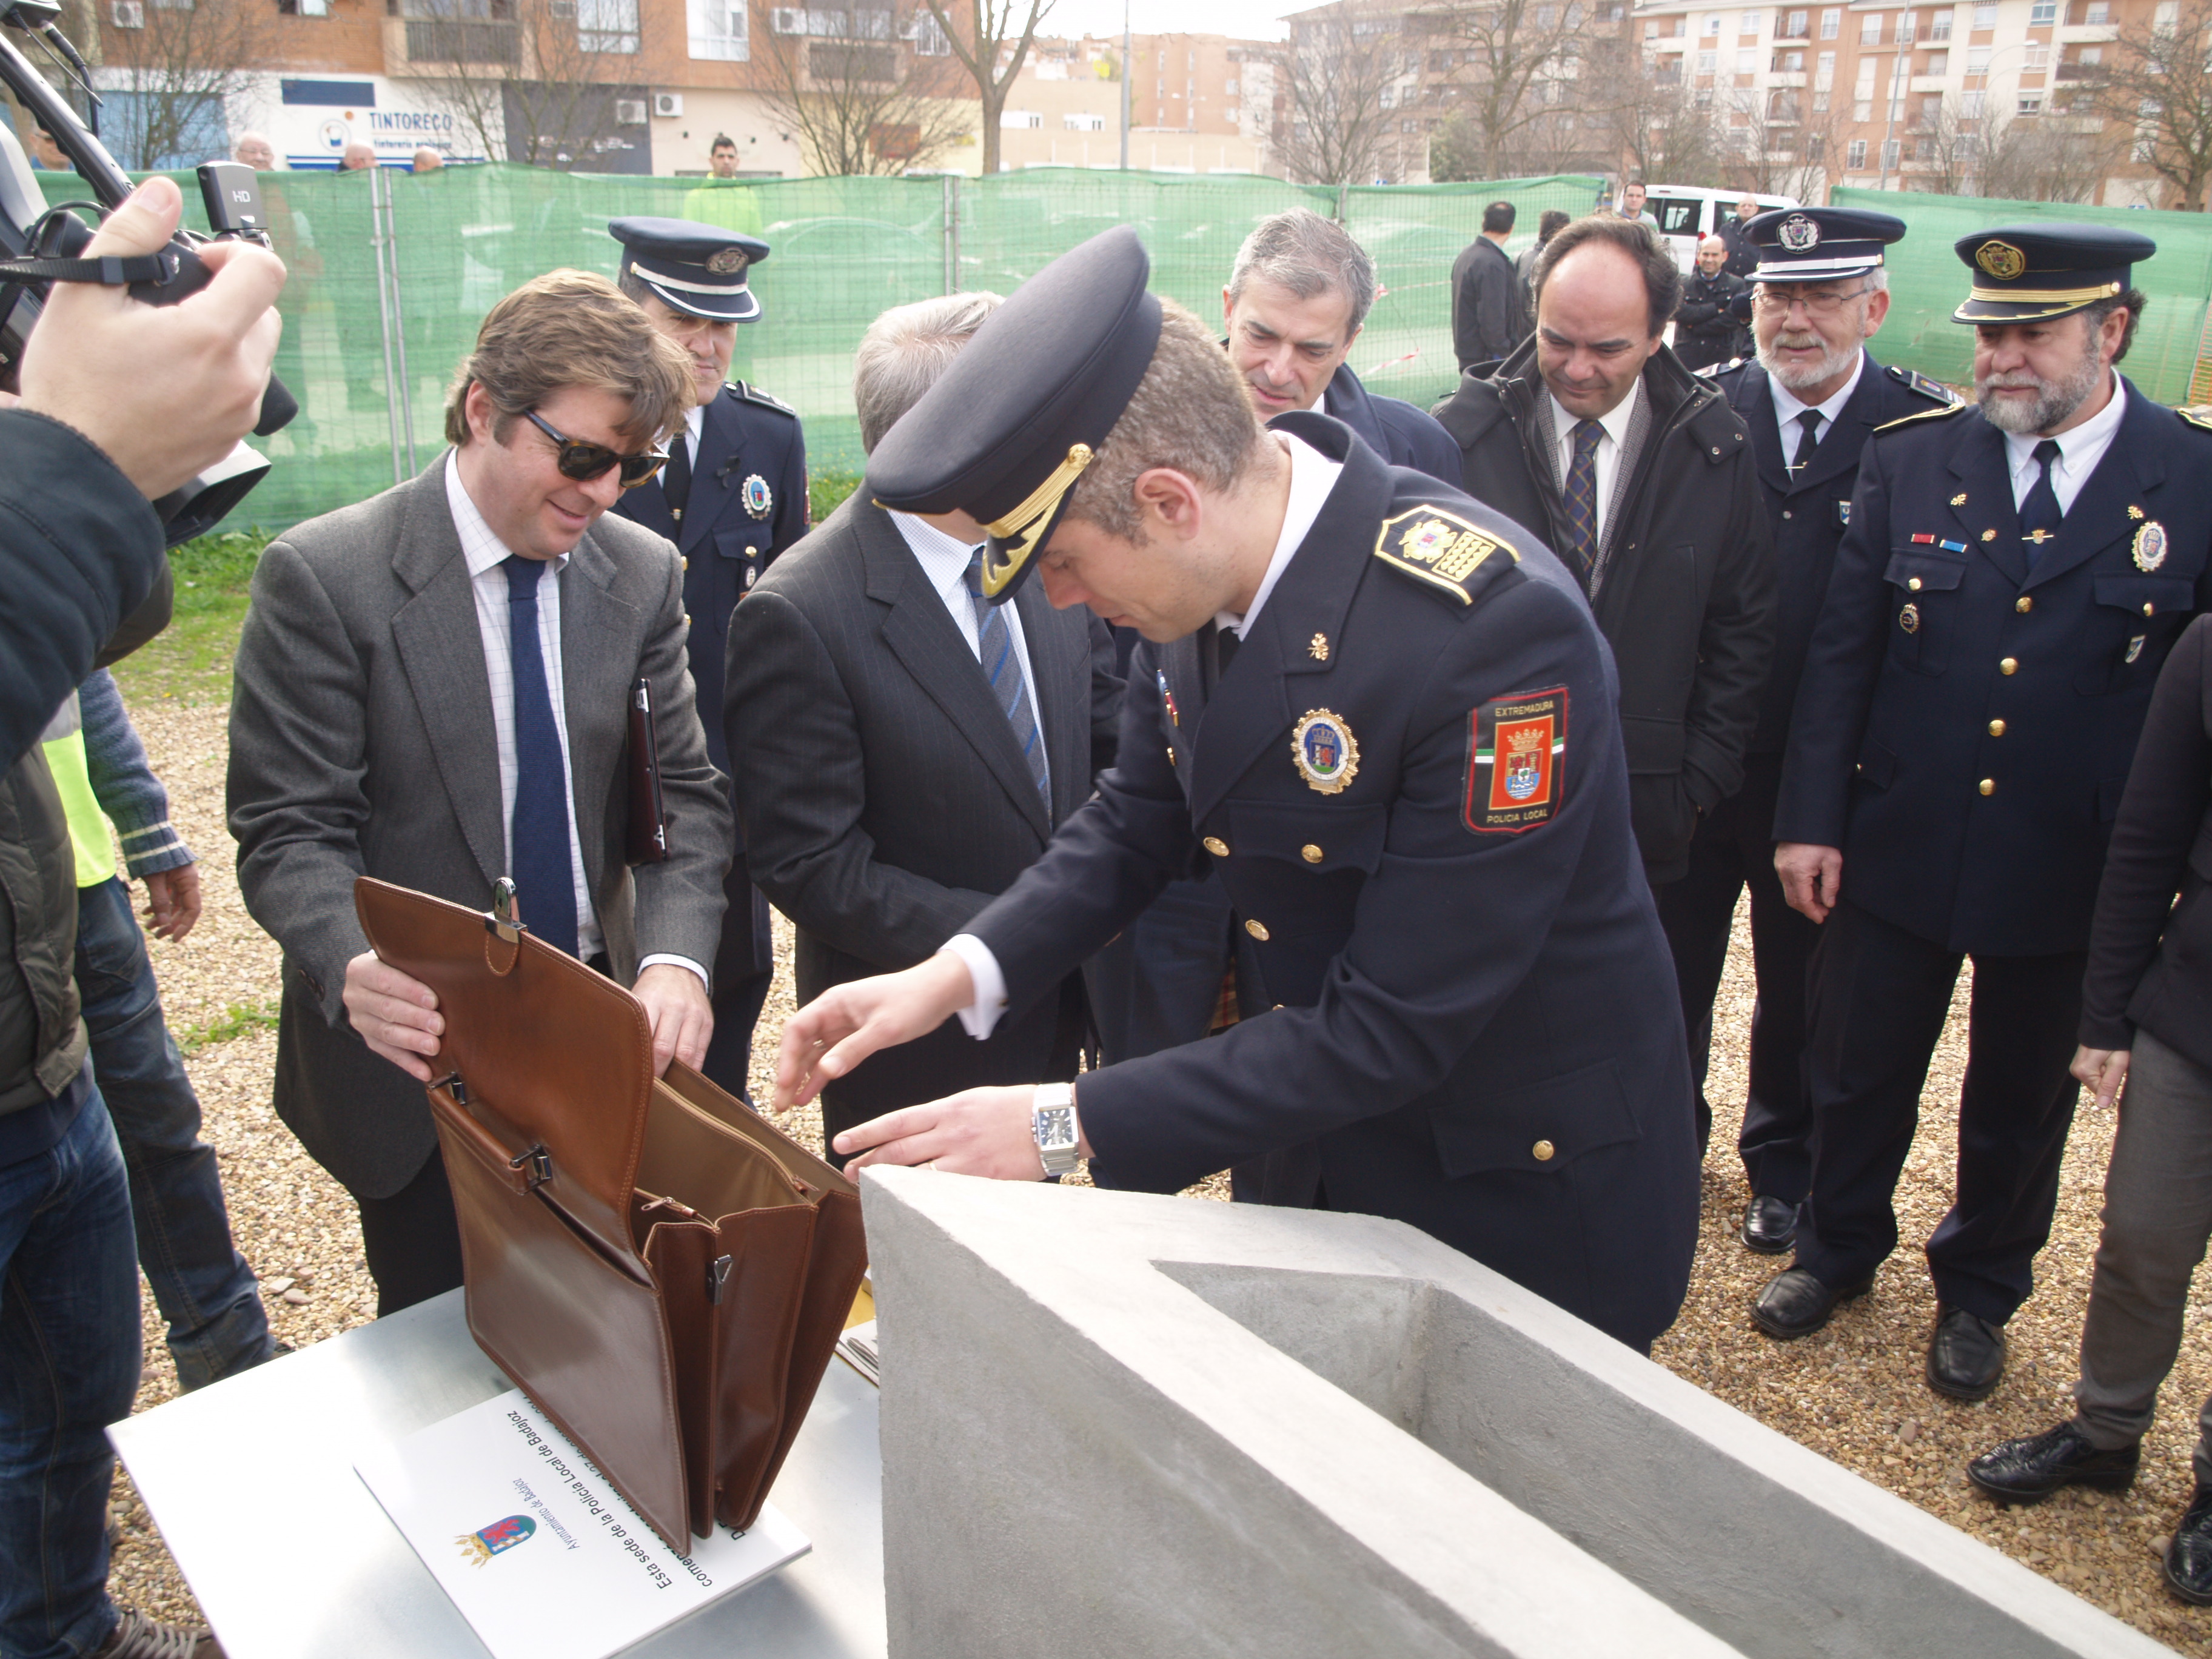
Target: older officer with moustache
[[1811, 401], [1465, 1019], [731, 497], [2011, 581]]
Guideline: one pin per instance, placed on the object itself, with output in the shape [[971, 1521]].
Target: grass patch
[[190, 662], [827, 488], [237, 1021]]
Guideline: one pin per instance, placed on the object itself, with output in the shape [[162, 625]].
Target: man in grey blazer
[[899, 752], [432, 688]]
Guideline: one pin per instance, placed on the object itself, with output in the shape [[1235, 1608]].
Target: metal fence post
[[952, 233], [403, 387], [377, 238]]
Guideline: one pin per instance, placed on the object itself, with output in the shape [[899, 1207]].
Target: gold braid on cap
[[1033, 515]]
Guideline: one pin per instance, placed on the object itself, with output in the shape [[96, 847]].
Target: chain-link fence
[[391, 273]]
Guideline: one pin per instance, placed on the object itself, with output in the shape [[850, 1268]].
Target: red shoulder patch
[[1517, 755]]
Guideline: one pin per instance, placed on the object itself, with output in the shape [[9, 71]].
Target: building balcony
[[1786, 78], [440, 42]]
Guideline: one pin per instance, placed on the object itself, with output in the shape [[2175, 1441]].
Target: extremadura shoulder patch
[[1516, 757]]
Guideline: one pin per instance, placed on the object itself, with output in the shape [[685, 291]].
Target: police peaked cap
[[1010, 426], [1819, 244], [2027, 273], [699, 270]]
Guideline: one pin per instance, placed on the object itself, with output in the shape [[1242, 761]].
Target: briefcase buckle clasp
[[501, 920], [537, 1163]]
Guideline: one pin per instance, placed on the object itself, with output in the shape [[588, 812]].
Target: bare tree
[[999, 33], [176, 63], [2046, 158], [1659, 129], [1505, 63], [867, 92], [1342, 73], [1780, 143], [533, 81], [2156, 80]]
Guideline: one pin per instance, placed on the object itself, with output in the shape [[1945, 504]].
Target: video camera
[[40, 246]]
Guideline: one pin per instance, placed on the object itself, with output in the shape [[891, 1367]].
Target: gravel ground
[[1854, 1392]]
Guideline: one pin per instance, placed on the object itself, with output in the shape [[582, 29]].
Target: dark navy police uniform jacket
[[1965, 728], [727, 536], [1809, 508], [1402, 433], [1473, 1024]]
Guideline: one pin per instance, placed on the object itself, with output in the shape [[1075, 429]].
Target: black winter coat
[[1687, 601]]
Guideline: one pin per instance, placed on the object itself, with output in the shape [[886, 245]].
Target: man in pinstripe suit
[[901, 749]]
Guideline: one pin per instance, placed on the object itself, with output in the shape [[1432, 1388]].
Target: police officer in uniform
[[1811, 399], [731, 497], [1384, 715], [2010, 582]]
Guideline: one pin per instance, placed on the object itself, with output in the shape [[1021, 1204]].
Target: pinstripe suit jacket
[[883, 797]]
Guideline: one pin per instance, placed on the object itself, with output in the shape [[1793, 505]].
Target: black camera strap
[[157, 268]]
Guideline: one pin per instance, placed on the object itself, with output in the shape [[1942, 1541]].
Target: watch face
[[1056, 1126]]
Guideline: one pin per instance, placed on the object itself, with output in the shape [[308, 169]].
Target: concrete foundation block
[[1116, 1425]]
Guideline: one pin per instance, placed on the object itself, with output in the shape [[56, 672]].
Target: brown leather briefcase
[[659, 1269]]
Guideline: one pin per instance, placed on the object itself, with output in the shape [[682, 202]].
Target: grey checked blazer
[[362, 743], [883, 797]]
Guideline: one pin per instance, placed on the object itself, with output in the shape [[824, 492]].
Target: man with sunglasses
[[731, 497], [433, 688], [1811, 399]]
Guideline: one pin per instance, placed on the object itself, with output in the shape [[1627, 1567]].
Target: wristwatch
[[1052, 1122]]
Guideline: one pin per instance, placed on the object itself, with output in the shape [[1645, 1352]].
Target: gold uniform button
[[1310, 853], [751, 551], [1216, 846], [2010, 665], [2024, 603], [1257, 929], [1542, 1151], [1914, 584], [687, 619], [1988, 786], [1996, 728], [2147, 609], [685, 562]]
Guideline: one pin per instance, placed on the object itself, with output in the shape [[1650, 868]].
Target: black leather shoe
[[1795, 1303], [1770, 1226], [2029, 1469], [1966, 1355], [2189, 1557]]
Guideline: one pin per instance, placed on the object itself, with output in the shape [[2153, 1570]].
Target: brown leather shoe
[[138, 1637]]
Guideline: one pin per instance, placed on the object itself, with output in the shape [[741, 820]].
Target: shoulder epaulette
[[2197, 416], [753, 394], [1913, 381], [1924, 415], [1436, 545]]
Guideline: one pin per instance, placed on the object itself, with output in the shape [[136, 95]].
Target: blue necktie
[[995, 640], [545, 878], [2039, 515], [1582, 498]]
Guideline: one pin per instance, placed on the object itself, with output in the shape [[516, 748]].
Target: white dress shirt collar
[[480, 544], [1313, 476], [2079, 451], [1614, 420], [1788, 405]]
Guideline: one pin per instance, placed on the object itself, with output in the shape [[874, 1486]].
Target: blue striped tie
[[1003, 669], [544, 879], [1582, 497]]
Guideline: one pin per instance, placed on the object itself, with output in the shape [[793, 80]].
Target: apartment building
[[1971, 98], [1197, 103]]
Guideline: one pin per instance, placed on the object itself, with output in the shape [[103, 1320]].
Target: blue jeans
[[203, 1286], [69, 1367]]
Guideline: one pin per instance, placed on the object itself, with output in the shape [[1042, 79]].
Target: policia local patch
[[1516, 753]]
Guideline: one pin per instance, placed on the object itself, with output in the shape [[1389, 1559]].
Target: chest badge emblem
[[758, 499], [1318, 648], [1909, 618], [1324, 750], [2136, 513], [1959, 499], [1989, 535], [2150, 546], [1843, 515]]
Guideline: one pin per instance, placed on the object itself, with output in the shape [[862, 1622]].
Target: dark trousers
[[1879, 996], [411, 1240], [1733, 849], [1158, 986], [745, 962]]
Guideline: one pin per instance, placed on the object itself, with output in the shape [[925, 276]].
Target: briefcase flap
[[562, 1054]]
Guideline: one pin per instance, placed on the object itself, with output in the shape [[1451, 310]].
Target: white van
[[1687, 213]]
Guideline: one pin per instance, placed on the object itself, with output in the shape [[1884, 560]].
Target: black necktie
[[1226, 640], [2038, 513], [1808, 439], [676, 476]]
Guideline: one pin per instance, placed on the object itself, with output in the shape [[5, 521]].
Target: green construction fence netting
[[391, 273]]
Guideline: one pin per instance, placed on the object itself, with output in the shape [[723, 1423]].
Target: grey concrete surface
[[1118, 1425]]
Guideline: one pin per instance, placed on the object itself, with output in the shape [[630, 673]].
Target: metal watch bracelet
[[1052, 1122]]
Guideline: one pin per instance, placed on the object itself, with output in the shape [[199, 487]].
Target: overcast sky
[[1250, 20]]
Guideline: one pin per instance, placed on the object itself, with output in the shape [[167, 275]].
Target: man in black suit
[[731, 497], [1487, 306], [901, 753], [1810, 401], [2013, 578]]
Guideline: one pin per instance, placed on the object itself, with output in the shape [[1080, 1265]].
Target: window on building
[[1977, 60], [1931, 108], [1748, 23], [1782, 108], [930, 41], [1939, 27], [1705, 98], [1870, 29], [1651, 28], [1787, 63], [1939, 63], [1078, 123], [1970, 106], [2031, 103], [1855, 154], [1889, 148], [1707, 64], [304, 7], [1831, 23], [1985, 16], [1795, 27], [2091, 56], [2167, 14], [2042, 14], [716, 30], [607, 25], [1905, 27], [1017, 120], [1819, 101], [2037, 57], [2097, 13], [1824, 72], [1746, 63]]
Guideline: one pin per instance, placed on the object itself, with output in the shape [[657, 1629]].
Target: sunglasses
[[583, 462]]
